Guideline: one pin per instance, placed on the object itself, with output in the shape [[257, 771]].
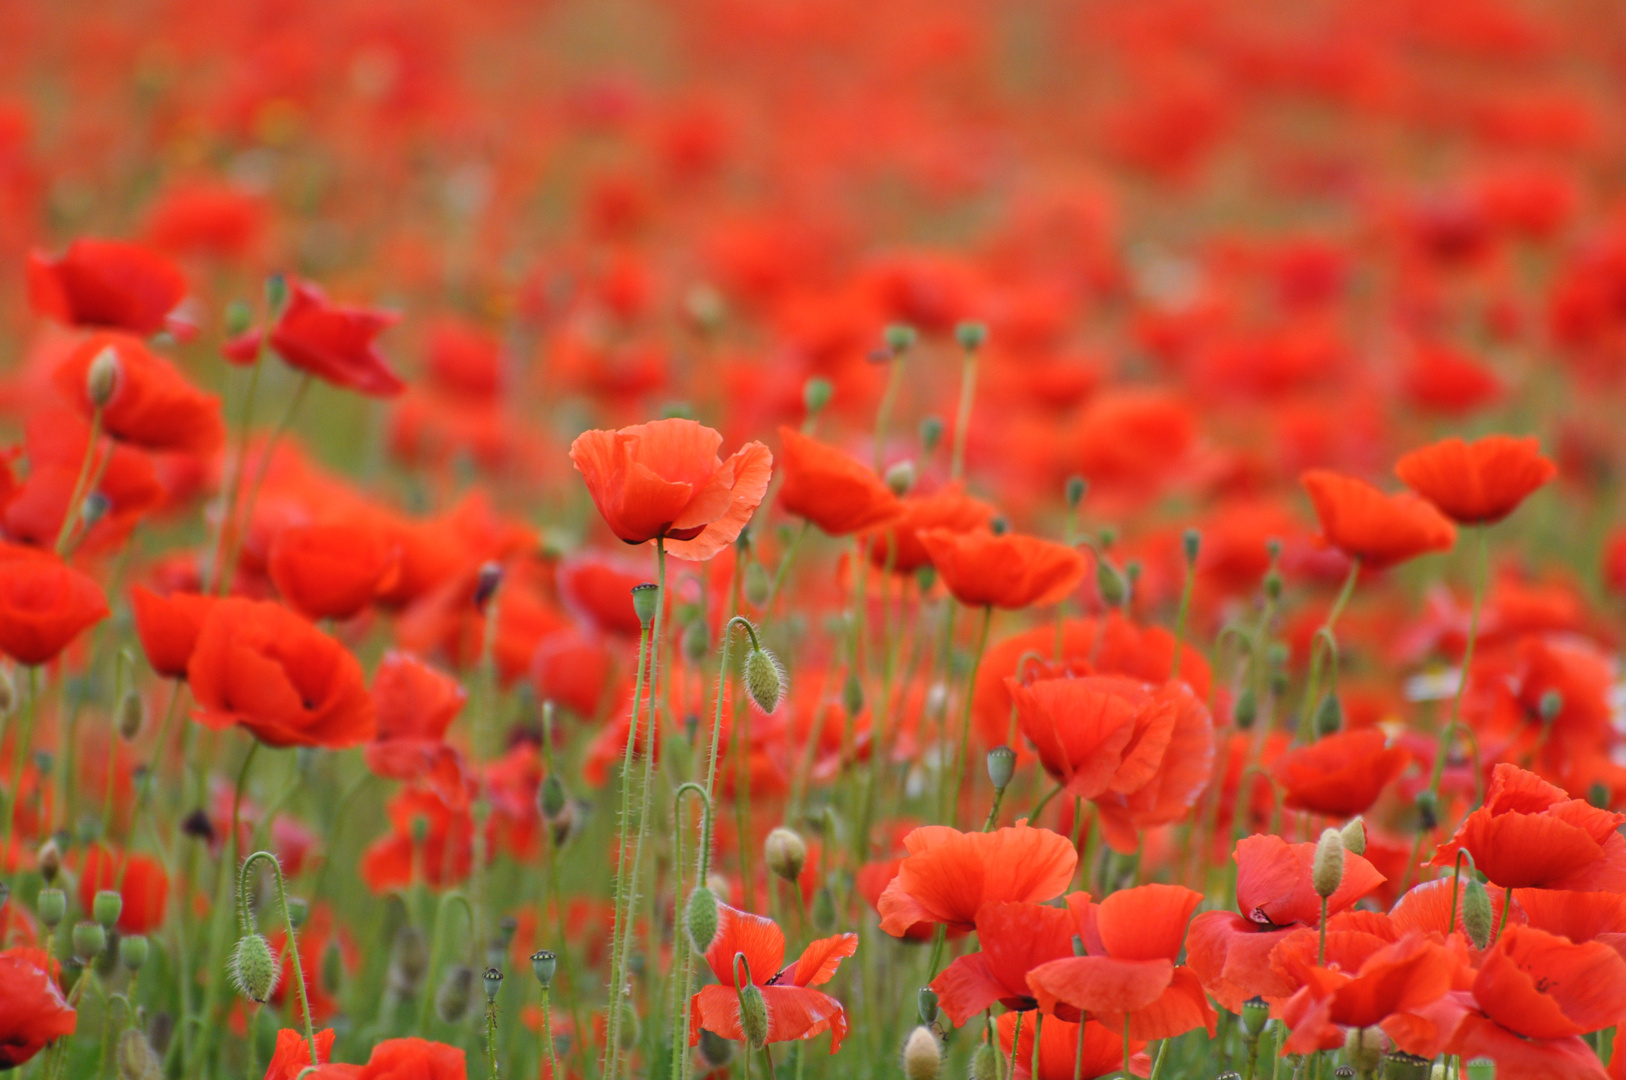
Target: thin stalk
[[71, 516], [293, 947], [952, 810], [962, 416], [1312, 695]]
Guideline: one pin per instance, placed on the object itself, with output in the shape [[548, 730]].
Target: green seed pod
[[52, 906], [1552, 703], [926, 1005], [89, 939], [757, 584], [700, 917], [816, 395], [931, 434], [645, 599], [1255, 1013], [551, 798], [1327, 872], [102, 378], [332, 973], [985, 1063], [455, 993], [1344, 1072], [1406, 1067], [1246, 709], [900, 338], [971, 335], [852, 694], [1191, 542], [1077, 487], [1110, 584], [1329, 716], [900, 478], [136, 1058], [492, 981], [1476, 912], [253, 968], [824, 910], [1273, 584], [106, 907], [1354, 836], [764, 679], [543, 965], [785, 853], [1365, 1048], [1001, 766], [753, 1016], [715, 1050], [133, 951], [922, 1056], [132, 715]]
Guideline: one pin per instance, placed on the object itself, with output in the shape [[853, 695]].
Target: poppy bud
[[453, 996], [1329, 716], [931, 434], [816, 394], [824, 910], [238, 318], [900, 477], [253, 968], [197, 825], [543, 964], [753, 1016], [757, 584], [1246, 709], [985, 1063], [1400, 1066], [132, 715], [1327, 872], [332, 972], [645, 599], [700, 917], [1191, 542], [696, 641], [1110, 584], [276, 292], [900, 338], [551, 797], [764, 679], [133, 951], [50, 861], [297, 910], [1354, 836], [785, 853], [971, 335], [706, 307], [1552, 703], [1428, 810], [105, 908], [136, 1058], [852, 694], [52, 906], [1077, 487], [999, 526], [926, 1005], [409, 960], [1001, 766], [8, 693], [631, 1026], [94, 507], [486, 583], [1476, 912], [1255, 1014], [715, 1050], [922, 1057], [1273, 584], [492, 980], [1598, 795], [102, 378], [1365, 1048]]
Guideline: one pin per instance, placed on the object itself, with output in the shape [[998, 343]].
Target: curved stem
[[293, 944], [71, 516], [1312, 694], [431, 980]]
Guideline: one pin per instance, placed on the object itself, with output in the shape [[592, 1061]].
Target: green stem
[[247, 515], [962, 417], [436, 949], [1312, 695], [76, 499], [19, 758], [783, 569], [293, 945], [547, 1038], [952, 811], [1016, 1040]]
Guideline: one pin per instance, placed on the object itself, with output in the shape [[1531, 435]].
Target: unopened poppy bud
[[1354, 836], [551, 798], [785, 852], [544, 963], [922, 1057], [50, 861], [1191, 542], [332, 972], [102, 379], [971, 335], [824, 910], [492, 981], [238, 318], [1077, 488], [1365, 1048], [409, 960], [1476, 912], [1399, 1066], [764, 679], [133, 951], [1273, 584], [1001, 766], [852, 694], [753, 1016], [1428, 811], [486, 584], [1598, 795], [700, 917], [816, 394], [1552, 703], [999, 526], [696, 641], [1110, 584], [900, 338], [298, 909], [715, 1050], [276, 291], [1255, 1014], [52, 905], [757, 584], [253, 968], [132, 715], [985, 1063], [456, 990], [900, 477], [1246, 708], [136, 1058], [631, 1027], [645, 599], [105, 908], [94, 507], [1327, 872], [1329, 716], [926, 1005], [931, 434]]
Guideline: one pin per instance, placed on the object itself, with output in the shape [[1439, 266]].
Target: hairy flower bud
[[1365, 1048], [1077, 487], [985, 1064], [1354, 836], [132, 715], [785, 853], [1110, 584], [753, 1016], [50, 861], [455, 993], [696, 641], [700, 917], [1476, 912], [922, 1056], [8, 694], [1329, 716], [1327, 872], [764, 679], [253, 968], [136, 1058], [1001, 766], [1246, 709]]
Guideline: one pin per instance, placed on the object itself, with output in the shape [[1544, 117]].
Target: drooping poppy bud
[[700, 917], [852, 694], [1476, 912], [1354, 836], [753, 1016], [764, 679], [1327, 872], [456, 990], [132, 715], [253, 968], [922, 1056], [1329, 716], [785, 853]]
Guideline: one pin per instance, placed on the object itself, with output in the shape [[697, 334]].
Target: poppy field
[[808, 539]]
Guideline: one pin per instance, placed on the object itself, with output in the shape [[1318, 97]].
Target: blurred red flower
[[106, 283]]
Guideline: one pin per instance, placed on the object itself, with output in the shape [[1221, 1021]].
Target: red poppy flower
[[596, 588], [1132, 942], [168, 627], [33, 1011], [259, 665], [443, 857], [1014, 937], [334, 342], [44, 604], [1378, 529], [1004, 571], [795, 1009], [948, 875], [1579, 916], [153, 405], [207, 219], [55, 441], [1427, 907], [334, 570], [664, 479], [1341, 775], [139, 878], [829, 488], [1530, 834], [293, 1056], [416, 704], [1392, 987], [1477, 483], [896, 546], [414, 1059], [1231, 953], [1059, 1056], [106, 283]]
